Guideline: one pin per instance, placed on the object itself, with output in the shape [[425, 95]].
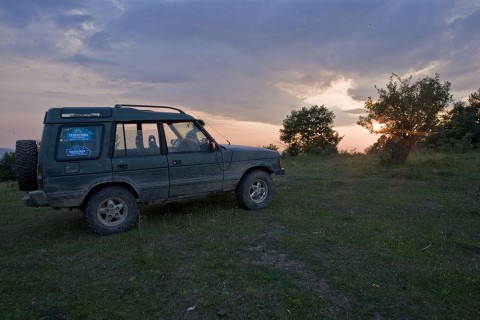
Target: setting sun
[[377, 126]]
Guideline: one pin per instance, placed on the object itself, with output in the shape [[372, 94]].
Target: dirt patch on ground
[[261, 252]]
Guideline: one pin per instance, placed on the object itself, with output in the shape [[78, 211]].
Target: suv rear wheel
[[111, 210], [26, 153], [255, 190]]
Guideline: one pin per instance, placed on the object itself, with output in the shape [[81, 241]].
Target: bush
[[7, 167]]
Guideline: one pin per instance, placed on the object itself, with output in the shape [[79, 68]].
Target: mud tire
[[26, 155], [111, 210], [255, 190]]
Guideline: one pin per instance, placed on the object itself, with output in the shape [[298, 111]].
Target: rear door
[[194, 168], [138, 161], [79, 161]]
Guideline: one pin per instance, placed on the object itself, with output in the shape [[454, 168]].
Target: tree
[[383, 144], [271, 146], [7, 166], [460, 127], [309, 131], [406, 112]]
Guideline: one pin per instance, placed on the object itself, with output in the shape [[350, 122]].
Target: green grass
[[343, 238]]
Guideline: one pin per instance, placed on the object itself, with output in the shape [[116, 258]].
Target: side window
[[136, 139], [79, 142], [185, 137]]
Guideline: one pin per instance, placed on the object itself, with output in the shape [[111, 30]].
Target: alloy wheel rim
[[258, 191], [112, 212]]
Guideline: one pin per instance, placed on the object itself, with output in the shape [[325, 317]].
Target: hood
[[249, 153], [239, 147]]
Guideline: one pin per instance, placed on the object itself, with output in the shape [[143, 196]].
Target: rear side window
[[79, 142], [136, 139]]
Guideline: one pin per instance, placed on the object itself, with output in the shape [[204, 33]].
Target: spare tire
[[26, 153]]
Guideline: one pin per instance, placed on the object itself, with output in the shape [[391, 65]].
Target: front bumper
[[280, 172], [35, 198]]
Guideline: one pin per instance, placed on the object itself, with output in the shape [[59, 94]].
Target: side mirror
[[213, 146], [201, 122]]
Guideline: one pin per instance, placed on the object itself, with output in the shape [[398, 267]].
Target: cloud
[[250, 60], [355, 111]]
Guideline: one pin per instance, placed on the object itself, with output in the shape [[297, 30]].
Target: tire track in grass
[[261, 253]]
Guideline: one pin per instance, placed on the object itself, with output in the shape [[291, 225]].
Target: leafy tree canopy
[[460, 127], [271, 146], [406, 112], [310, 131]]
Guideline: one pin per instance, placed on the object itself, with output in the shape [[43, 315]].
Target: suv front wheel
[[255, 190], [111, 210]]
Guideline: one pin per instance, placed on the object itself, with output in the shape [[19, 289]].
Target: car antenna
[[221, 135]]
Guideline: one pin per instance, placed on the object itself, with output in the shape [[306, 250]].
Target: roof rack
[[148, 106]]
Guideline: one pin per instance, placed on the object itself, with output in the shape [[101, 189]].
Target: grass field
[[343, 238]]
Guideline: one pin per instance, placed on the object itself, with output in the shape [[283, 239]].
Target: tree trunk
[[402, 148]]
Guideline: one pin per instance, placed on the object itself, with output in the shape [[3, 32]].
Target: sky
[[241, 66]]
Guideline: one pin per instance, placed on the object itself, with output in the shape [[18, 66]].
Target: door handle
[[176, 161], [122, 166]]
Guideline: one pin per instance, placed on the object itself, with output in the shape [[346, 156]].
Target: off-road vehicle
[[105, 160]]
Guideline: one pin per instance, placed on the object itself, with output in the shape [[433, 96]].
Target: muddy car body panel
[[89, 153]]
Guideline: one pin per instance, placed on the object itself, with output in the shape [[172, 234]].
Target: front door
[[194, 168]]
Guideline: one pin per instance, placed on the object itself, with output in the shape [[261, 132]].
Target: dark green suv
[[106, 160]]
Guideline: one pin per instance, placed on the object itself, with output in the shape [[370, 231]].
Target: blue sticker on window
[[79, 134], [78, 151]]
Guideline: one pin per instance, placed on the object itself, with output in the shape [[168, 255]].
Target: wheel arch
[[260, 167], [255, 168], [121, 184]]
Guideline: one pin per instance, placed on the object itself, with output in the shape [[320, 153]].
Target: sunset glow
[[377, 126], [242, 72]]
